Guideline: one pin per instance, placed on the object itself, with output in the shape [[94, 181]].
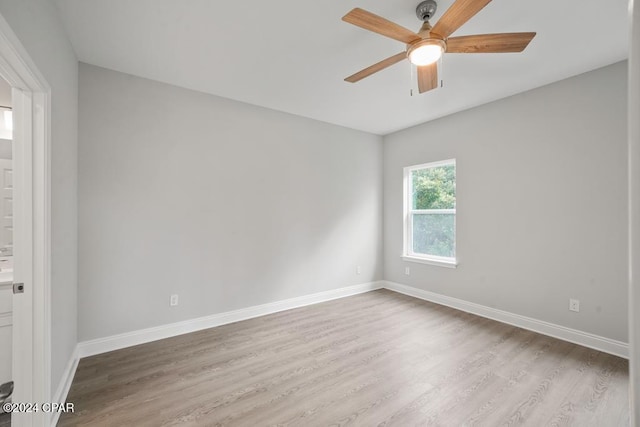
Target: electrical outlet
[[358, 270], [407, 271], [574, 305], [174, 300]]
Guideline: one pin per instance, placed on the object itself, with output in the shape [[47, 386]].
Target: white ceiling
[[292, 55]]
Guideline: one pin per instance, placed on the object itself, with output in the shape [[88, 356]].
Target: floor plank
[[378, 358]]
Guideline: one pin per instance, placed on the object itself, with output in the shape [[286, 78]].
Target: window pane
[[434, 188], [434, 234]]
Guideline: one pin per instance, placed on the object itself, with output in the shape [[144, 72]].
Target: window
[[430, 213]]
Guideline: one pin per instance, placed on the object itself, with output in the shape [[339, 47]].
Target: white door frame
[[31, 97], [634, 212]]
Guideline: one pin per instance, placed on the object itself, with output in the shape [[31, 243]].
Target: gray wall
[[36, 24], [542, 202], [225, 204]]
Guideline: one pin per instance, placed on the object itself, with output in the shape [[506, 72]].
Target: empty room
[[366, 213]]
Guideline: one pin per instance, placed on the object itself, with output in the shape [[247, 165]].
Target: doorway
[[6, 249], [31, 230]]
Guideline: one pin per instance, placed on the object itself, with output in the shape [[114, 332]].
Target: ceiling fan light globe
[[426, 54]]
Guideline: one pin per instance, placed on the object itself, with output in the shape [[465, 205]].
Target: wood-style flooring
[[374, 359]]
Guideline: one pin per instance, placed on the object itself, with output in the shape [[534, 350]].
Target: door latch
[[18, 288]]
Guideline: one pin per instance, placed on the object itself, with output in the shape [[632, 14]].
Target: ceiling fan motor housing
[[426, 10]]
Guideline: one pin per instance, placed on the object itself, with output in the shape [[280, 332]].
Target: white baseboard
[[65, 384], [617, 348], [116, 342], [128, 339]]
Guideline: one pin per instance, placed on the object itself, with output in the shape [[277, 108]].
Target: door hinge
[[18, 288]]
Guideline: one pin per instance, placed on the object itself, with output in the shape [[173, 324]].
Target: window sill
[[431, 261]]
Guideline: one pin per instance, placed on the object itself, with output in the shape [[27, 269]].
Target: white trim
[[41, 261], [32, 252], [633, 128], [128, 339], [606, 345], [65, 383], [117, 342], [409, 212], [443, 262], [431, 164], [433, 211]]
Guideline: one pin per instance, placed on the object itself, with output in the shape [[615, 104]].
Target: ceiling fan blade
[[490, 43], [380, 25], [427, 77], [376, 67], [459, 13]]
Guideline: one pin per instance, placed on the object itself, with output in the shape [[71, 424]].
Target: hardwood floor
[[375, 359]]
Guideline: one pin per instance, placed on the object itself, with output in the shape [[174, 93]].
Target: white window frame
[[408, 212]]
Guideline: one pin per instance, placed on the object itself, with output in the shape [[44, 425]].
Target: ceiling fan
[[425, 47]]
